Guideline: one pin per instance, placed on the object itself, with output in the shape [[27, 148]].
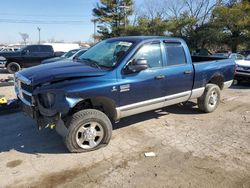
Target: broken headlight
[[47, 100]]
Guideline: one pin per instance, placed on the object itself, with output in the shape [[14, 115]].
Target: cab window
[[175, 54], [152, 53], [32, 49]]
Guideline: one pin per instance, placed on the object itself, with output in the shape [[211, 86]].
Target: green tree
[[146, 26], [112, 17], [233, 23]]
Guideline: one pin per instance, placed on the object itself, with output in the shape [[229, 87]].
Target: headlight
[[47, 99]]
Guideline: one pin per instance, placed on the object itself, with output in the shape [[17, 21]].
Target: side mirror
[[76, 58], [138, 65]]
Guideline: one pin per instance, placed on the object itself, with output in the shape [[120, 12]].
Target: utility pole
[[94, 31], [94, 36], [39, 34], [124, 8]]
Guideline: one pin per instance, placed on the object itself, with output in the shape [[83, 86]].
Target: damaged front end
[[47, 107]]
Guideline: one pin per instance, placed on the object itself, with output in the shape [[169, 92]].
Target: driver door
[[142, 91]]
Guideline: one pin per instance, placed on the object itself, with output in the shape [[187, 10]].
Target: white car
[[243, 67]]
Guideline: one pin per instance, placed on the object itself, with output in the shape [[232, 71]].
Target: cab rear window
[[175, 54]]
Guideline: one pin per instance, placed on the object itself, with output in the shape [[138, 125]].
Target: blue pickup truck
[[117, 78]]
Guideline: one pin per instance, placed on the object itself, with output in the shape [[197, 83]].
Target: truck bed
[[202, 59], [207, 67]]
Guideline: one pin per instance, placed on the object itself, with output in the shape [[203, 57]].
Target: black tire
[[13, 67], [205, 103], [77, 123]]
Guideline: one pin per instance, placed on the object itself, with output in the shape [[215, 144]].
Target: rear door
[[178, 72]]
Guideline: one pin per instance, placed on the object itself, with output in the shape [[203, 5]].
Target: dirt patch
[[171, 168], [13, 164]]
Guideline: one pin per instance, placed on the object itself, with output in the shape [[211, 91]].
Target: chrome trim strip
[[228, 84], [23, 79], [152, 104], [25, 92], [24, 101], [196, 93]]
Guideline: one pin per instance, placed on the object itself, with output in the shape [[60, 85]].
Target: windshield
[[106, 53], [70, 53]]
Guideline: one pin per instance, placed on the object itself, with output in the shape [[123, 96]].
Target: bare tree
[[152, 9], [200, 10], [24, 36]]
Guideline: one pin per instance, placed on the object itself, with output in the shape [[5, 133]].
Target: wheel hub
[[90, 134], [213, 98]]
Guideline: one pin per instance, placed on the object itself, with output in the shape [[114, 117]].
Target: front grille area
[[26, 87], [23, 89]]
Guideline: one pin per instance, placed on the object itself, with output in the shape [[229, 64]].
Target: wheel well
[[217, 80], [103, 104]]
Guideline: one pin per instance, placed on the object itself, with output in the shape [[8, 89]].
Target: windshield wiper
[[92, 62]]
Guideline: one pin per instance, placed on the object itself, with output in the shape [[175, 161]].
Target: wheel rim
[[213, 99], [89, 135], [13, 68]]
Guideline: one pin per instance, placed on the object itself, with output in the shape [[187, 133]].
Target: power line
[[45, 16], [65, 22]]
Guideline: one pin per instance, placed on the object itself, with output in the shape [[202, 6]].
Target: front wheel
[[88, 130], [210, 99]]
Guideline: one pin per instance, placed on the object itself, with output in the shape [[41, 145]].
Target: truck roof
[[141, 38]]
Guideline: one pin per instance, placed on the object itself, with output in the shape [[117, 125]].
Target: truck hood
[[53, 72], [9, 54]]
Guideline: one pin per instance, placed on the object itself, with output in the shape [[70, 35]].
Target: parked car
[[117, 78], [66, 57], [63, 47], [28, 56], [237, 57], [245, 53], [243, 68], [222, 53], [9, 49], [63, 57], [77, 55]]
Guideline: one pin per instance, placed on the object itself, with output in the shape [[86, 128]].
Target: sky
[[58, 19]]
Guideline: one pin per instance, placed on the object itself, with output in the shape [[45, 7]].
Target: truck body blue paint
[[80, 80]]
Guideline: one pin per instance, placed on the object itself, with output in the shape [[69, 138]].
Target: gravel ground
[[192, 150], [8, 92]]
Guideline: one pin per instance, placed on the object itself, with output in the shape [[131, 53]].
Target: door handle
[[160, 77], [188, 72]]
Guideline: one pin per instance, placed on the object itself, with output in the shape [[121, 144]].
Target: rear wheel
[[88, 130], [210, 99], [13, 67]]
